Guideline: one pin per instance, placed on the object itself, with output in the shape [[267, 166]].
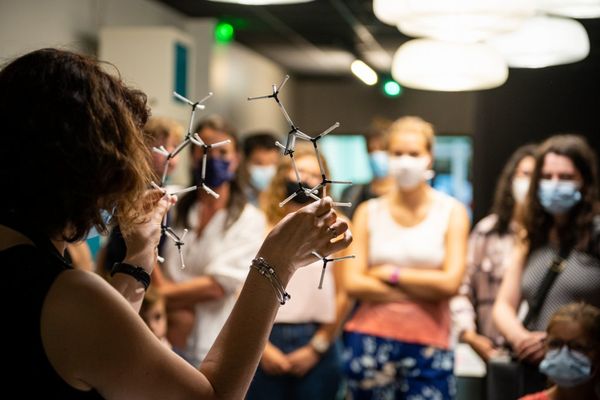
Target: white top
[[418, 246], [224, 255], [308, 302], [421, 246]]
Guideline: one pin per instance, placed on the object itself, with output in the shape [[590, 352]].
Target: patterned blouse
[[489, 254]]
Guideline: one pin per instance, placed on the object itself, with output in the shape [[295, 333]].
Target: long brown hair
[[504, 201], [538, 222], [72, 144]]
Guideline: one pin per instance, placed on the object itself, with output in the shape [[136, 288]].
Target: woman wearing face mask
[[491, 245], [381, 183], [560, 230], [572, 357], [301, 360], [261, 156], [410, 248], [222, 235]]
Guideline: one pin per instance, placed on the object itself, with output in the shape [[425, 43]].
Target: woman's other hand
[[274, 362], [530, 346], [302, 360], [482, 345], [142, 238]]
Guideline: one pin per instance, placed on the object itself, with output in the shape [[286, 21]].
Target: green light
[[224, 32], [392, 88]]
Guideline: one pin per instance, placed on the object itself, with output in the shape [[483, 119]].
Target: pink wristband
[[394, 277]]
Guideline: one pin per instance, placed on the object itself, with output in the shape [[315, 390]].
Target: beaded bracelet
[[268, 272]]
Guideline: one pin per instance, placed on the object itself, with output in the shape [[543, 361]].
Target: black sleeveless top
[[28, 272]]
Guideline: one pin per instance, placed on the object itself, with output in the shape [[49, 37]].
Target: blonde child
[[154, 314]]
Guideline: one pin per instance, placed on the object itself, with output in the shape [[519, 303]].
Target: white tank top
[[418, 246], [308, 302]]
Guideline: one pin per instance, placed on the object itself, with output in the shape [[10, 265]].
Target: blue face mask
[[217, 172], [558, 197], [566, 368], [261, 175], [379, 163]]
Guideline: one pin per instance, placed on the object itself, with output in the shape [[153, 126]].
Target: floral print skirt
[[386, 369]]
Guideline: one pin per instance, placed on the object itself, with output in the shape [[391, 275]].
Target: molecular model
[[288, 150], [194, 139]]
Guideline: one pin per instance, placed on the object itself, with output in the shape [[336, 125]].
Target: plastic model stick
[[190, 138], [325, 262], [288, 150]]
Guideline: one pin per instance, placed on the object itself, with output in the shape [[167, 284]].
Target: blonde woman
[[300, 360], [410, 248]]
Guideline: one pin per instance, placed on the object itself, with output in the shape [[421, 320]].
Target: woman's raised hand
[[313, 228]]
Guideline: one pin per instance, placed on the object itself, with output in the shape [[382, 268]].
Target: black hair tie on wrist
[[138, 273]]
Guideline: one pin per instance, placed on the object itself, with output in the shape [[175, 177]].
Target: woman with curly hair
[[72, 146], [491, 245], [561, 234]]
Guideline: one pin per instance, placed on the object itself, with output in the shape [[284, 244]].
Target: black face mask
[[291, 187]]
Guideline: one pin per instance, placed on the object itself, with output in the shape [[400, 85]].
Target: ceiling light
[[261, 2], [571, 8], [543, 42], [363, 72], [449, 67], [457, 20], [391, 88], [387, 11]]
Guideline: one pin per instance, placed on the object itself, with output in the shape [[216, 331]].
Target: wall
[[319, 103], [74, 24], [237, 73]]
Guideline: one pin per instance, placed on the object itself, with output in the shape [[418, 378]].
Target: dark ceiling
[[322, 37], [315, 38]]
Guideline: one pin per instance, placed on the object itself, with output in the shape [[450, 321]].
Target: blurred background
[[490, 75]]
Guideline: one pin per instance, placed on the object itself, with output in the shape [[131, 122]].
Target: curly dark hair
[[576, 233], [504, 202], [72, 144]]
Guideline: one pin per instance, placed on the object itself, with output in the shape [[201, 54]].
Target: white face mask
[[520, 187], [409, 171], [261, 175]]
